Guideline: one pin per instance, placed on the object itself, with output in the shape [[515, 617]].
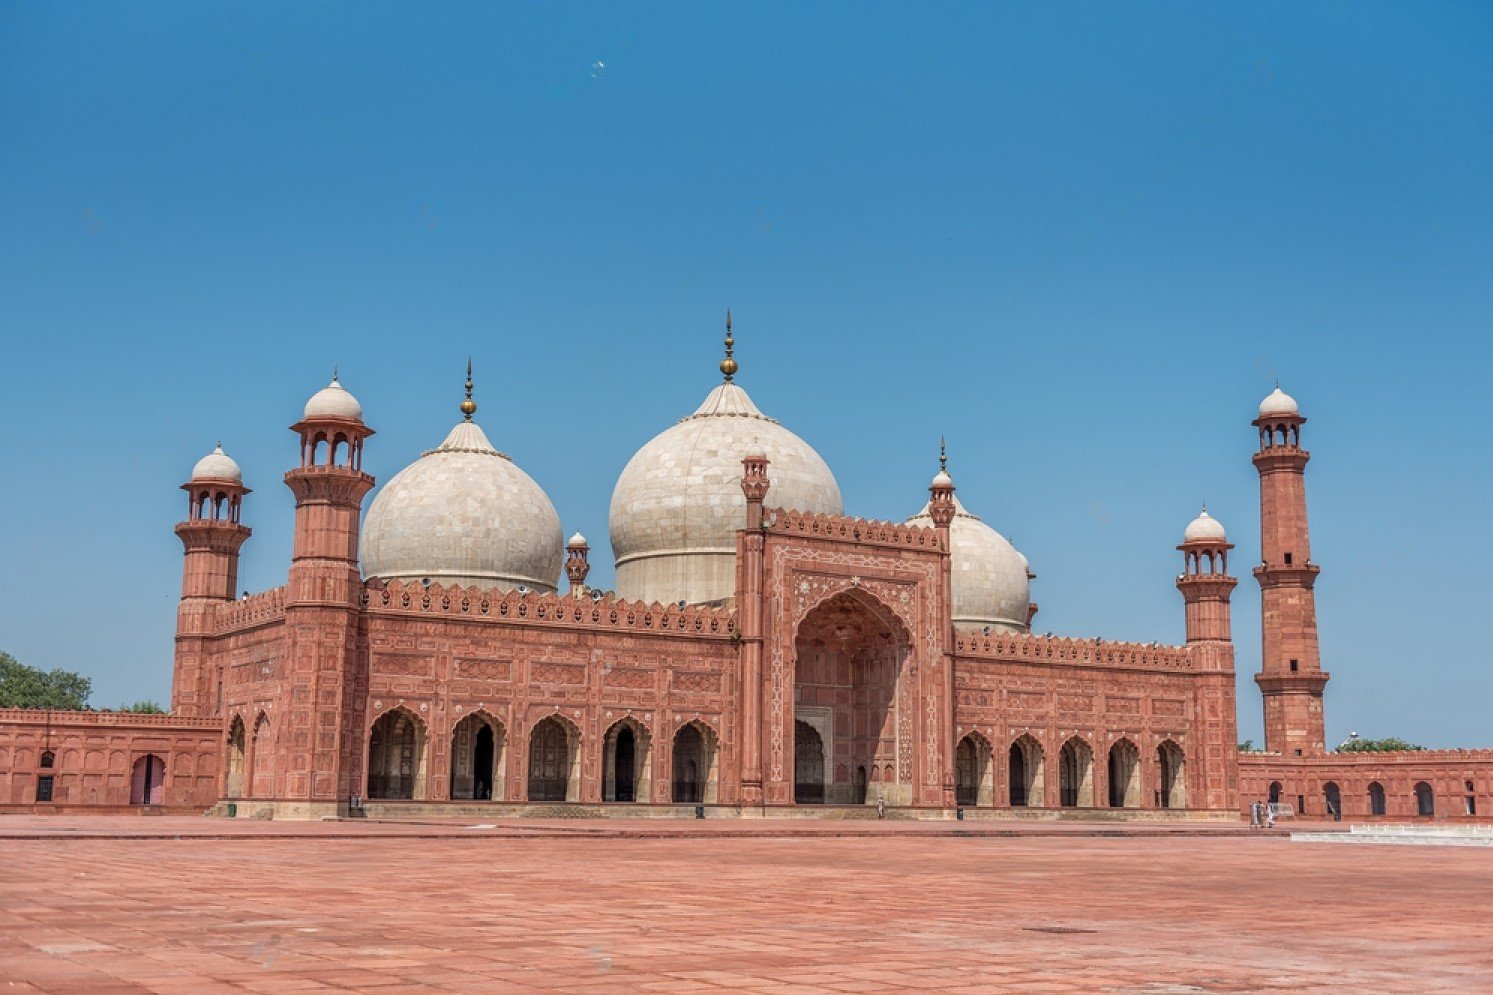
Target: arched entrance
[[808, 765], [1275, 792], [1425, 799], [972, 771], [850, 656], [1376, 798], [148, 781], [233, 786], [554, 761], [1173, 764], [477, 758], [1333, 799], [1124, 775], [1076, 774], [627, 763], [396, 756], [694, 764], [1026, 773]]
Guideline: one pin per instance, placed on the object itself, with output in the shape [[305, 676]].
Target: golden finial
[[943, 456], [728, 365], [469, 406]]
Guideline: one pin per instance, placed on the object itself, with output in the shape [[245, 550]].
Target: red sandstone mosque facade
[[763, 654]]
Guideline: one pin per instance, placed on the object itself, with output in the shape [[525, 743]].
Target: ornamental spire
[[468, 406], [728, 365], [943, 456]]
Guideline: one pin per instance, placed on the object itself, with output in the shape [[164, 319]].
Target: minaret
[[942, 509], [577, 564], [211, 537], [751, 624], [317, 737], [1205, 582], [1291, 678], [1212, 771]]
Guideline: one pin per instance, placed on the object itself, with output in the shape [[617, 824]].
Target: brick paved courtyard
[[684, 908]]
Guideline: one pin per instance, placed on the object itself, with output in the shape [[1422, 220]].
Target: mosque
[[764, 654]]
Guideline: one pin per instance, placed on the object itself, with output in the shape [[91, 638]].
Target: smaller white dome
[[1278, 403], [942, 479], [1204, 528], [333, 401], [577, 540], [218, 465]]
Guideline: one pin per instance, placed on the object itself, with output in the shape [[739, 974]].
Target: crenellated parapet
[[1022, 648], [861, 531], [251, 612], [489, 605]]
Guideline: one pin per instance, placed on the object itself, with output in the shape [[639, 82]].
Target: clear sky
[[1080, 240]]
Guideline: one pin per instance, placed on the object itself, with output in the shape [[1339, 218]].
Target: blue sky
[[1082, 241]]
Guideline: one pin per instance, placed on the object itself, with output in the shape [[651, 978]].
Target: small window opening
[[1295, 666], [1288, 559], [1298, 753], [44, 788], [49, 759]]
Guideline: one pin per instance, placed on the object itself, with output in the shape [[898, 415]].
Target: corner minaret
[[318, 734], [1291, 677], [1205, 582], [329, 488], [211, 538], [942, 509]]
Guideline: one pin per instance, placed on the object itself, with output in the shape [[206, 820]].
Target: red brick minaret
[[1291, 677], [211, 537], [941, 509], [319, 735], [1213, 764]]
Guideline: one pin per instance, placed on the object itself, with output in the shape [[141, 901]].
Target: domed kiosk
[[463, 513], [678, 504]]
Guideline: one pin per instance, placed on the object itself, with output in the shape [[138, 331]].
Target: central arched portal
[[850, 696]]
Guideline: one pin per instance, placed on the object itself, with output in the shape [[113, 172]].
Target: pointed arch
[[808, 764], [397, 759], [1027, 762], [1172, 762], [233, 780], [554, 760], [1425, 799], [1124, 774], [1332, 799], [479, 757], [627, 762], [1076, 774], [974, 775], [1377, 805], [148, 780], [695, 762]]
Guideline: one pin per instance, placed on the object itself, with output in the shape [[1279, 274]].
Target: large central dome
[[463, 513], [678, 504]]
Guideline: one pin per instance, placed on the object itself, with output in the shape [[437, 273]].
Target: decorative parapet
[[255, 610], [1369, 757], [60, 718], [489, 605], [839, 528], [1022, 648]]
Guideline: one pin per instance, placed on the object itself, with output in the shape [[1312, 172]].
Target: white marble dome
[[333, 401], [678, 503], [218, 465], [1278, 403], [990, 578], [463, 513], [1204, 528]]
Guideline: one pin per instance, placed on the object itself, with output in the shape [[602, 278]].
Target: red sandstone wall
[[1304, 780], [95, 753], [1052, 689]]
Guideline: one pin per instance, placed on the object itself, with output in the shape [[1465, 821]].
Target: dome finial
[[728, 365], [943, 455], [468, 406], [334, 373]]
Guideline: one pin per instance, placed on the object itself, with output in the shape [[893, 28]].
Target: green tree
[[1248, 746], [27, 687], [1391, 744], [144, 707]]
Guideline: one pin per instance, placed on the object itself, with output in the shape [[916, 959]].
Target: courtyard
[[170, 904]]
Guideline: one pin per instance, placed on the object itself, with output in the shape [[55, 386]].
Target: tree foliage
[[143, 707], [27, 687], [1248, 746], [1391, 744]]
